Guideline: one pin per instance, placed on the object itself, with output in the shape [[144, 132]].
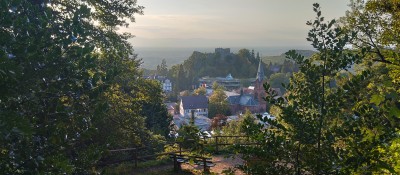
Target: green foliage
[[246, 82], [277, 79], [324, 127], [151, 97], [216, 86], [218, 104], [238, 127], [200, 91], [162, 69], [282, 64], [377, 35], [142, 167], [234, 128], [277, 60], [70, 88], [218, 122], [240, 65], [190, 139]]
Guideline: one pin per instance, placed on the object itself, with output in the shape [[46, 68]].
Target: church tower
[[259, 91], [260, 71]]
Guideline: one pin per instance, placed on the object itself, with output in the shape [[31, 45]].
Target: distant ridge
[[305, 53], [152, 56], [279, 59]]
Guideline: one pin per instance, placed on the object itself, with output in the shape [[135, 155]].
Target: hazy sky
[[228, 23]]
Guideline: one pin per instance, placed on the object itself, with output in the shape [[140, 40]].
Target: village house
[[197, 104], [166, 84]]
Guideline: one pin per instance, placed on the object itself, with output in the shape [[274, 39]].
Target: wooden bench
[[200, 161], [206, 163], [178, 160]]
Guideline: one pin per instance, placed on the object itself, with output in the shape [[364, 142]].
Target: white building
[[167, 85], [197, 104]]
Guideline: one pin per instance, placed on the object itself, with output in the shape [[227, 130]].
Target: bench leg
[[176, 164], [179, 166], [206, 169]]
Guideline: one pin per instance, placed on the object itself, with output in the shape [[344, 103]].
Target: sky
[[228, 23]]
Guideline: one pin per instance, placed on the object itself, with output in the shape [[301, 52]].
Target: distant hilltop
[[152, 56], [279, 59], [305, 53], [223, 51]]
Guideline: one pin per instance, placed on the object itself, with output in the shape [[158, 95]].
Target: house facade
[[166, 84], [197, 104]]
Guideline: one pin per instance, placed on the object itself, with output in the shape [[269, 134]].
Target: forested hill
[[280, 59], [243, 64], [305, 53]]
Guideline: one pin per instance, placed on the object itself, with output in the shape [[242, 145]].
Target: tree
[[277, 79], [153, 107], [200, 91], [218, 122], [181, 82], [216, 86], [68, 85], [185, 93], [218, 104], [162, 69], [324, 129], [238, 127], [245, 53], [377, 27], [242, 65], [189, 139]]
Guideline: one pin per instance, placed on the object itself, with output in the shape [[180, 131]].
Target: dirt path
[[221, 163], [153, 170]]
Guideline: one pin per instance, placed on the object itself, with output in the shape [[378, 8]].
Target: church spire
[[260, 71]]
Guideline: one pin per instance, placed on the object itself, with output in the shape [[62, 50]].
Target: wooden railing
[[231, 140], [216, 141], [135, 157]]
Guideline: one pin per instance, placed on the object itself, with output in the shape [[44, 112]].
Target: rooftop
[[195, 102]]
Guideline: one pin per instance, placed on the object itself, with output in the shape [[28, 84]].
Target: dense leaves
[[331, 121], [69, 87], [217, 103], [200, 91], [240, 65]]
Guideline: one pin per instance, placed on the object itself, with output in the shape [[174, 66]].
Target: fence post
[[176, 169], [135, 157], [180, 150], [216, 144], [205, 165]]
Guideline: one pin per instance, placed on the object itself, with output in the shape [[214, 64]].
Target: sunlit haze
[[173, 29], [228, 23]]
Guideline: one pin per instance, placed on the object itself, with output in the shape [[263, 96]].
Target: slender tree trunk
[[321, 118], [298, 167]]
